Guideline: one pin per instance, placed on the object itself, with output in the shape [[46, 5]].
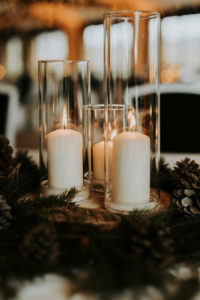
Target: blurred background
[[31, 30]]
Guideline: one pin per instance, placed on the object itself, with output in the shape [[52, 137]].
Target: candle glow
[[64, 118], [98, 157]]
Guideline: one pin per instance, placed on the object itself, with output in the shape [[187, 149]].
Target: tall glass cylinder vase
[[132, 54], [64, 90]]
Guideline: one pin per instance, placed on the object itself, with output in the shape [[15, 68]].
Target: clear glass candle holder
[[131, 61], [64, 90], [97, 142]]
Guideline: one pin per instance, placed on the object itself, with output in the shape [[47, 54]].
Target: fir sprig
[[32, 204]]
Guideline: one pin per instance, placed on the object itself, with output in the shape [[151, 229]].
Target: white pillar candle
[[65, 166], [131, 168], [98, 160]]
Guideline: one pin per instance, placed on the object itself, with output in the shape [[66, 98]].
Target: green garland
[[111, 252]]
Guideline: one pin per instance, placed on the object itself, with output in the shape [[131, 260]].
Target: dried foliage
[[111, 252]]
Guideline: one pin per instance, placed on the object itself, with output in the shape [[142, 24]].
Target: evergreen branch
[[111, 252], [30, 205]]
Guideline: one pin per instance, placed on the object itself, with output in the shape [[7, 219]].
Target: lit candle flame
[[64, 117], [113, 134], [132, 120]]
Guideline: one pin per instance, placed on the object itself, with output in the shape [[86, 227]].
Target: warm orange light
[[171, 74], [132, 120], [64, 117], [2, 71], [113, 134], [151, 75]]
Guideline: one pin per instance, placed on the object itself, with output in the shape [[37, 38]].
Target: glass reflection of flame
[[64, 117], [131, 120]]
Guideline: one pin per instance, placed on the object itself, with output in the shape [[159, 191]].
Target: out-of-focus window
[[49, 45], [14, 58], [180, 48], [93, 48]]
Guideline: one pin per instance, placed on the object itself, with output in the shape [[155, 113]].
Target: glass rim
[[104, 106], [131, 14], [54, 61]]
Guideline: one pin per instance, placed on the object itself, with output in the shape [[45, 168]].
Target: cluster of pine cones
[[186, 194], [40, 244]]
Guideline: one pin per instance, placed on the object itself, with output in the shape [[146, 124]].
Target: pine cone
[[5, 213], [187, 187], [5, 154], [40, 244], [22, 179]]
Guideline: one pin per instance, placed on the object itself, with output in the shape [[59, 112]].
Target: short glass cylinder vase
[[132, 67], [96, 142], [64, 90]]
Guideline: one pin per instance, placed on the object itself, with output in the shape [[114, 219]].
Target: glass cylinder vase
[[131, 63], [96, 142], [64, 90]]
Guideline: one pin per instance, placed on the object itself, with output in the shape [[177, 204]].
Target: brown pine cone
[[40, 244], [5, 154], [186, 194]]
